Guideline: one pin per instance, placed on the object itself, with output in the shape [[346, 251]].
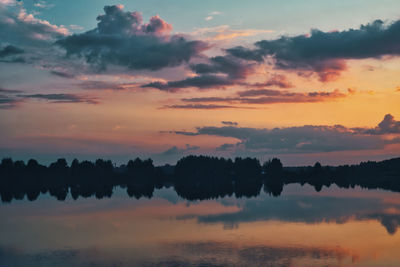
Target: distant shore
[[193, 177]]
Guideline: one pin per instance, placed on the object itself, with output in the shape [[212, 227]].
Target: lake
[[301, 227]]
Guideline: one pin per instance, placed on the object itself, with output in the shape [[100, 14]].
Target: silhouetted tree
[[194, 177]]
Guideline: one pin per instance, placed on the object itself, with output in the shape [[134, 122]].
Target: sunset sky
[[304, 81]]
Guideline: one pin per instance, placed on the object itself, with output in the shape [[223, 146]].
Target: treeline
[[193, 177]]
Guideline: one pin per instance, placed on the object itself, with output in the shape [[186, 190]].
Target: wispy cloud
[[43, 4], [225, 32], [211, 15], [200, 106], [105, 85], [270, 96], [63, 98]]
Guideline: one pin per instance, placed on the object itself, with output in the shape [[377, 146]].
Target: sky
[[304, 81]]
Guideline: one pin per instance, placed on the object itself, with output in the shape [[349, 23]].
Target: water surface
[[301, 227]]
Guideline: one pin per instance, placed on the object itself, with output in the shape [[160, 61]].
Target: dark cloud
[[63, 98], [10, 54], [10, 50], [199, 106], [8, 102], [121, 38], [201, 82], [230, 123], [325, 52], [390, 221], [179, 151], [305, 139], [246, 53], [387, 126], [63, 74], [221, 71], [225, 147], [234, 68], [8, 91]]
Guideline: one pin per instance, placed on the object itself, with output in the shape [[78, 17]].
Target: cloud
[[387, 126], [103, 85], [225, 33], [10, 50], [62, 74], [8, 102], [219, 72], [305, 139], [121, 38], [63, 98], [199, 106], [201, 82], [179, 151], [211, 15], [10, 54], [230, 123], [230, 66], [8, 91], [8, 2], [75, 27], [225, 147], [43, 4], [157, 26], [246, 53], [277, 80], [326, 52], [22, 28], [270, 96]]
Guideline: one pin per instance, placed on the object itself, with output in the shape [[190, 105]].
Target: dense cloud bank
[[307, 138], [123, 40]]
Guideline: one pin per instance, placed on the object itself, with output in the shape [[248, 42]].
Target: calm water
[[335, 227]]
